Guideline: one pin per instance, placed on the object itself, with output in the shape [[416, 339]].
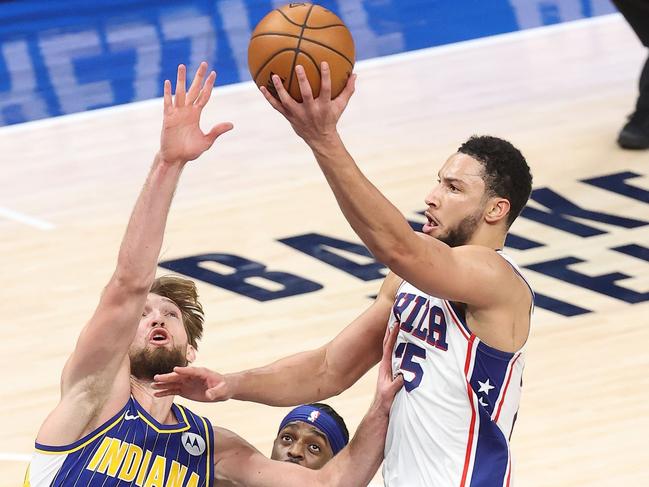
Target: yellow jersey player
[[108, 428]]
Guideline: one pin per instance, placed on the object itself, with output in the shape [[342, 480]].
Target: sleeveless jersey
[[450, 425], [131, 449]]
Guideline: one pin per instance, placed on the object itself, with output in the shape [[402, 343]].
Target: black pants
[[636, 12]]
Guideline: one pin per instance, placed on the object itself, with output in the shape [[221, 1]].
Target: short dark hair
[[506, 173], [337, 417]]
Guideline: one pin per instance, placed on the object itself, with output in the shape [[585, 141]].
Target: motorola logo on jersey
[[193, 443]]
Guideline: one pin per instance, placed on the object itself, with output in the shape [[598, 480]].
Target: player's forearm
[[378, 223], [293, 380], [358, 462], [138, 254]]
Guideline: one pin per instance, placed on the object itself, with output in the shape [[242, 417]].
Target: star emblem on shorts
[[485, 387]]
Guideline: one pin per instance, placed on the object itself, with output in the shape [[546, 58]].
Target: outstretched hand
[[195, 383], [182, 139], [314, 119], [387, 385]]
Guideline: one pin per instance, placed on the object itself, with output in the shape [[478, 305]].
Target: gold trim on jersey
[[158, 430], [79, 447], [209, 450], [26, 481]]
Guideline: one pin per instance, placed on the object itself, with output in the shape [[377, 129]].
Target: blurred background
[[60, 57]]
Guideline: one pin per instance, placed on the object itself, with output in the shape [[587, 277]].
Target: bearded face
[[147, 362], [461, 233]]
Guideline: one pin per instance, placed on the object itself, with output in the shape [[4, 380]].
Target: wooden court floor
[[559, 93]]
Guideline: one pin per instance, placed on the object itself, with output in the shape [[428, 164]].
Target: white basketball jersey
[[450, 425]]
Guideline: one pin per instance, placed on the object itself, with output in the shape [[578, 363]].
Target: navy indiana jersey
[[131, 449]]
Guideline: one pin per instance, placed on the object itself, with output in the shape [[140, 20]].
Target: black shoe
[[635, 134]]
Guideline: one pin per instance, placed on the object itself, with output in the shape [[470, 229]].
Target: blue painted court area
[[59, 57]]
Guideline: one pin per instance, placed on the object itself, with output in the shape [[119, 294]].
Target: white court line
[[15, 457], [382, 60], [26, 219]]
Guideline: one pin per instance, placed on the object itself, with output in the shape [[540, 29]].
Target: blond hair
[[183, 293]]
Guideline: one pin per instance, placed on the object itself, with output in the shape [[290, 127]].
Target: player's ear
[[497, 210], [190, 355]]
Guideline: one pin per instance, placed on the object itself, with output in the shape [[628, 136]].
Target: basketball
[[301, 34]]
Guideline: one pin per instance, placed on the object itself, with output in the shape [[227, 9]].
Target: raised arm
[[355, 465], [98, 369], [424, 262], [321, 373]]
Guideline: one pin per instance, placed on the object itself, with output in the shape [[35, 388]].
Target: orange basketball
[[301, 33]]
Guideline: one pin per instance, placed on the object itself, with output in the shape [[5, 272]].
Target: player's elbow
[[332, 380], [335, 380], [336, 388], [393, 256], [328, 476], [330, 384]]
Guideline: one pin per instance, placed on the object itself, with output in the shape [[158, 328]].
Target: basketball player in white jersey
[[462, 309], [108, 428]]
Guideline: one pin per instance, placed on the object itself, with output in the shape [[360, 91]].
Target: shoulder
[[233, 456], [485, 258], [477, 251], [230, 444], [497, 279]]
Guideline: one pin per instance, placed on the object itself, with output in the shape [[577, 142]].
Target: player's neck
[[158, 407], [486, 236]]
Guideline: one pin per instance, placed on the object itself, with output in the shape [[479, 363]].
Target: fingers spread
[[180, 86], [206, 91], [217, 131], [167, 95], [197, 82]]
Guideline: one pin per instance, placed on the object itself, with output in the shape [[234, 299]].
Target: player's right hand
[[314, 119], [195, 383]]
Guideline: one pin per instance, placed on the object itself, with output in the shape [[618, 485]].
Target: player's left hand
[[195, 383], [387, 384], [314, 119]]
